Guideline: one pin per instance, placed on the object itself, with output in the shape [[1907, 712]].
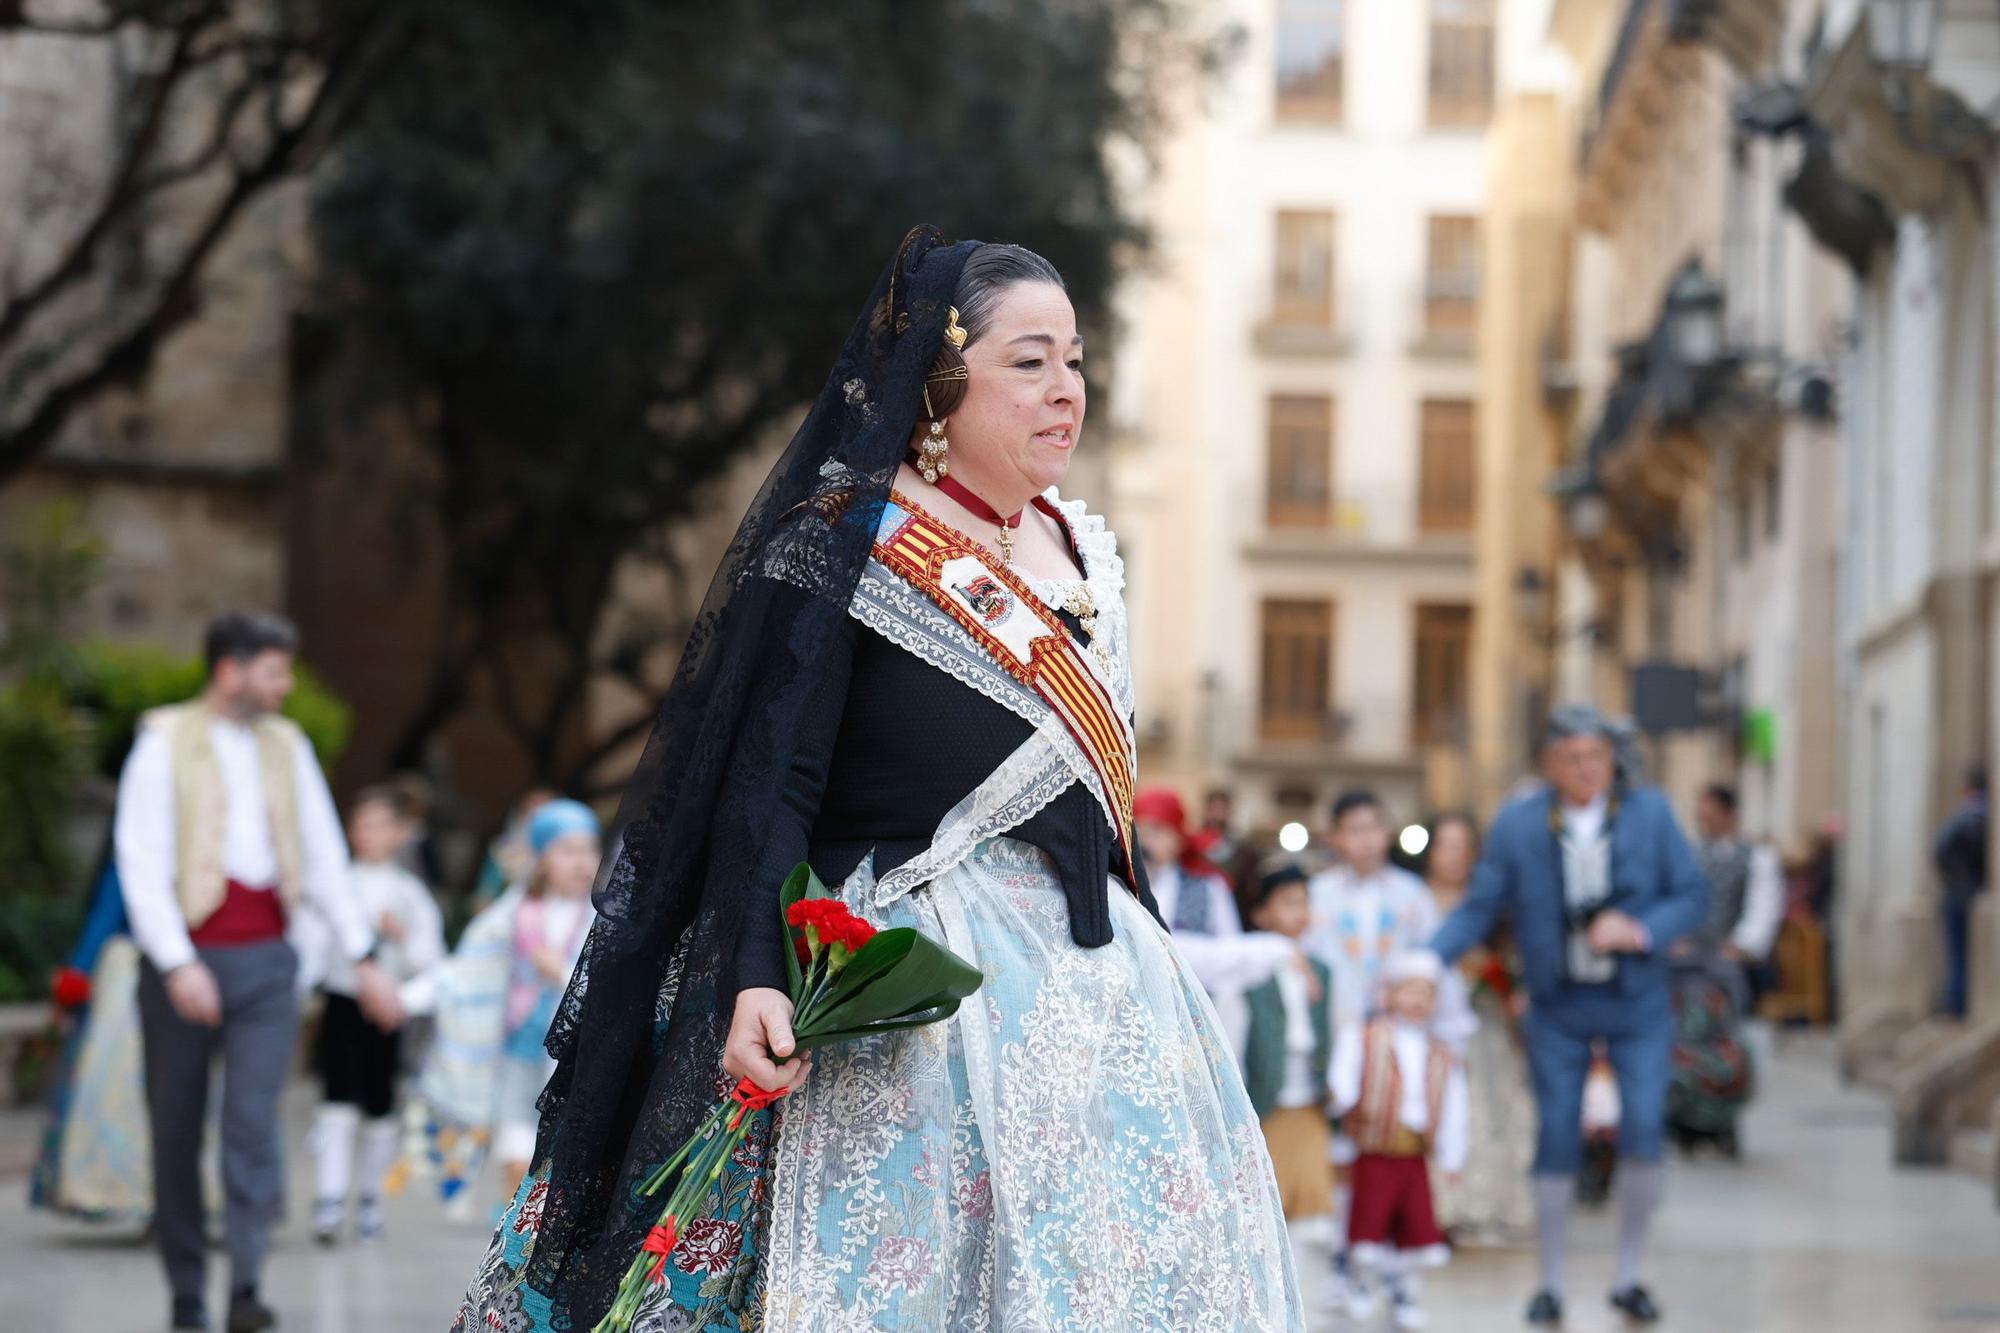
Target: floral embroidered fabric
[[1073, 1150], [712, 1277]]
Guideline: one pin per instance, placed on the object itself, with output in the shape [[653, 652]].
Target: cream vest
[[200, 805]]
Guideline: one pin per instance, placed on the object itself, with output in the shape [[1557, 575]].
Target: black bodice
[[892, 744]]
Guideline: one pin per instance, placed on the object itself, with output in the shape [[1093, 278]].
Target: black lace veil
[[639, 1036]]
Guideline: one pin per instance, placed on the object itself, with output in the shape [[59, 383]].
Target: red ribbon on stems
[[660, 1241], [749, 1097]]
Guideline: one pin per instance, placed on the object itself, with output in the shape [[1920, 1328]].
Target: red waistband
[[246, 916]]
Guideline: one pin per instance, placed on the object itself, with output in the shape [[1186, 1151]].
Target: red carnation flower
[[72, 988]]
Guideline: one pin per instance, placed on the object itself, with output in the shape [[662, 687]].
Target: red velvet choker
[[962, 493]]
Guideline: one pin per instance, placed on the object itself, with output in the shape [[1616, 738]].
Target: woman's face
[[1451, 852], [1023, 410]]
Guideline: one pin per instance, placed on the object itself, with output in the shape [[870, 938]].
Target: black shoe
[[247, 1314], [189, 1312], [1637, 1304], [1545, 1309]]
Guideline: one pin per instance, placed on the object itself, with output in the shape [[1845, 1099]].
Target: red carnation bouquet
[[848, 980]]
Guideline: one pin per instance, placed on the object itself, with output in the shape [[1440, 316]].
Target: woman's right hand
[[761, 1030]]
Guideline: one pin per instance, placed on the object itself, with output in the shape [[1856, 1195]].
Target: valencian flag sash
[[1029, 641]]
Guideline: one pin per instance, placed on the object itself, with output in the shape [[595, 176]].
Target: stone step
[[1974, 1151], [1922, 1039]]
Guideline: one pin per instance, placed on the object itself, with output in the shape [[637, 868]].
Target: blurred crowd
[[1374, 981], [234, 908]]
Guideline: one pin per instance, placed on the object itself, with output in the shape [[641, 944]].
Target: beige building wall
[[1749, 493], [1527, 395], [1199, 363]]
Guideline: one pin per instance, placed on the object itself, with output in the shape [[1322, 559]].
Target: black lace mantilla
[[639, 1035]]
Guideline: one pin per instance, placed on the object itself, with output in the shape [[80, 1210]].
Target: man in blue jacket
[[1598, 883]]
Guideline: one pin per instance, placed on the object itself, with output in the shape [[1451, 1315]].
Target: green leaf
[[884, 950], [926, 971], [925, 1018]]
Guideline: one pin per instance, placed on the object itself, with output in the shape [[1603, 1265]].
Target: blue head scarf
[[559, 819]]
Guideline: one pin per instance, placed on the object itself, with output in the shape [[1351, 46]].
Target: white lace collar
[[1096, 546]]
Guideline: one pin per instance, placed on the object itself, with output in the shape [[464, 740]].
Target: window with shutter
[[1461, 62], [1451, 280], [1311, 53], [1295, 684], [1446, 491], [1302, 283], [1444, 650], [1299, 451]]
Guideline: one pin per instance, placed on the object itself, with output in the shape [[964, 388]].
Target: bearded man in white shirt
[[224, 832]]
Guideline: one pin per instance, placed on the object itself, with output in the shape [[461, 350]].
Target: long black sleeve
[[760, 944]]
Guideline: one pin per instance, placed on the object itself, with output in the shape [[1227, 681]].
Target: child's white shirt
[[1359, 922], [1299, 1087], [1450, 1137], [383, 888]]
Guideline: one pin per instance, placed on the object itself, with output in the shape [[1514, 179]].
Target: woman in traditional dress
[[1491, 1203], [911, 671], [96, 1154]]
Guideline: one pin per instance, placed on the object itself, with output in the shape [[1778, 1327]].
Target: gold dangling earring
[[933, 455]]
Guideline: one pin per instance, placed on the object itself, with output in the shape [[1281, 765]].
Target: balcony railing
[[1382, 520], [1291, 327]]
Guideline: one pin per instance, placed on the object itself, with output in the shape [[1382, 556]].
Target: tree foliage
[[611, 247]]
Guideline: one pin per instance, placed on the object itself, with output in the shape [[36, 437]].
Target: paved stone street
[[1813, 1231]]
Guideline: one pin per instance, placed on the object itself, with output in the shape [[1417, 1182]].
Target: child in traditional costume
[[1402, 1095], [1288, 1052], [496, 997], [358, 1061], [1365, 911]]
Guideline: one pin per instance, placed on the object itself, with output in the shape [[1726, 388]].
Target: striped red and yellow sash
[[1029, 641]]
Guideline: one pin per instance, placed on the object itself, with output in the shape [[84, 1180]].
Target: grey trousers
[[260, 1023]]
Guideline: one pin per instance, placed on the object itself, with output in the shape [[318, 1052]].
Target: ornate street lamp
[[1902, 34], [1531, 597], [1694, 317], [1586, 511]]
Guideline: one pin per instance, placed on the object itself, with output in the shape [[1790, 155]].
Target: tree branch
[[79, 260], [351, 71]]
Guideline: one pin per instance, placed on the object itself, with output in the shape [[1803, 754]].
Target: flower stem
[[700, 1135]]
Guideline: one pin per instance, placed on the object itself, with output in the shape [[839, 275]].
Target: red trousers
[[1392, 1203]]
